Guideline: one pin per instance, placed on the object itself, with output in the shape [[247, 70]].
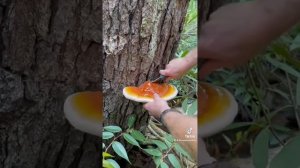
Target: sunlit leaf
[[113, 163], [105, 155], [107, 164]]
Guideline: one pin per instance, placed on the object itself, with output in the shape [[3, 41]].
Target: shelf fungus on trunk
[[145, 92], [218, 109], [84, 111]]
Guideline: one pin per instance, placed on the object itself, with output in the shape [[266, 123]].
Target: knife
[[160, 79]]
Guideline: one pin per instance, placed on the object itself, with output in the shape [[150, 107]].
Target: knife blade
[[160, 79]]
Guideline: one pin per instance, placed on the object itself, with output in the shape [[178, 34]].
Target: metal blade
[[161, 79]]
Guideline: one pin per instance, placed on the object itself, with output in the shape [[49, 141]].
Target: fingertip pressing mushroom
[[84, 111], [145, 92]]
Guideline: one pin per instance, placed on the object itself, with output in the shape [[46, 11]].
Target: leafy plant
[[161, 150]]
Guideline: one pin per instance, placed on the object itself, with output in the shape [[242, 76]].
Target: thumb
[[156, 96], [164, 72], [146, 106]]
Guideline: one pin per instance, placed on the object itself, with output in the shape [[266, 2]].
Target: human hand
[[234, 34], [157, 106], [180, 66]]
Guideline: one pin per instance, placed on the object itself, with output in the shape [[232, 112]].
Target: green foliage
[[267, 89], [120, 150], [164, 150], [288, 156], [260, 149], [107, 135], [113, 129], [130, 139], [174, 161]]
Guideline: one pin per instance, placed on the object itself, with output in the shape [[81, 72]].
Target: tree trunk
[[140, 37], [49, 50]]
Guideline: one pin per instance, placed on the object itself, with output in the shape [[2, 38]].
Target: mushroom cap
[[145, 92], [84, 111], [218, 109]]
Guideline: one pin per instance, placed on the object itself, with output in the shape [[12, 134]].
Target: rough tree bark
[[49, 49], [139, 38]]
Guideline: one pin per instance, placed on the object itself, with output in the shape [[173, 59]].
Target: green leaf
[[157, 161], [113, 128], [131, 120], [281, 128], [103, 145], [168, 143], [120, 150], [169, 137], [113, 163], [185, 104], [107, 135], [174, 161], [295, 43], [182, 151], [237, 125], [298, 92], [153, 152], [192, 108], [130, 139], [106, 164], [138, 135], [163, 165], [162, 146], [284, 67], [260, 149], [105, 155], [288, 156]]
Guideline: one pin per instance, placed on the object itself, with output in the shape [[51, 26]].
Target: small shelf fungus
[[84, 111], [145, 92], [218, 109]]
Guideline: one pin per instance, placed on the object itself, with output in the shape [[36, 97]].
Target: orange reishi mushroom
[[145, 92], [84, 111], [218, 109]]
